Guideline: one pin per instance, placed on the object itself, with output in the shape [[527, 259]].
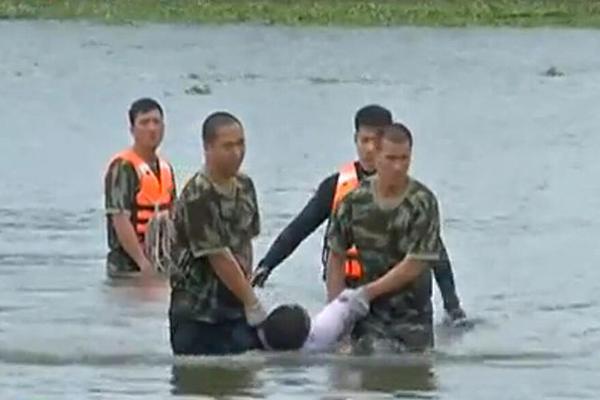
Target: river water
[[510, 152]]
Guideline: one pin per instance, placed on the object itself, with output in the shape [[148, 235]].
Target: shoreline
[[342, 13]]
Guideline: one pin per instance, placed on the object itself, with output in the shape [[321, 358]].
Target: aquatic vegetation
[[317, 12], [553, 72], [203, 89], [323, 81]]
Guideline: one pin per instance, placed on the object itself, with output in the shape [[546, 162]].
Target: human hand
[[260, 275], [255, 313], [357, 300]]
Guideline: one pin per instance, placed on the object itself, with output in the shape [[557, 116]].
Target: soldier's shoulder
[[421, 194], [362, 193], [246, 184], [196, 187], [244, 180], [120, 172], [120, 165]]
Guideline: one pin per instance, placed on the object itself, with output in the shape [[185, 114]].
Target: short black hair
[[397, 133], [372, 115], [214, 121], [142, 106], [286, 327]]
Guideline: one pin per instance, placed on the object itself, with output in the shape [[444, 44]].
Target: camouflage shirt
[[384, 235], [210, 219], [121, 184]]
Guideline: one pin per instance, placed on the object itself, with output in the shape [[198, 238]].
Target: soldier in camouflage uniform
[[367, 121], [213, 307], [126, 256], [393, 221]]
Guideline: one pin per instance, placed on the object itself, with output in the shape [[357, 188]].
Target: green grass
[[578, 13]]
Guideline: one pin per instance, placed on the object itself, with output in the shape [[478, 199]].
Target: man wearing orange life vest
[[368, 122], [137, 185]]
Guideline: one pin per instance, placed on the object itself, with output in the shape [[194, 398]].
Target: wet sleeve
[[255, 225], [174, 191], [424, 242], [203, 227], [339, 236], [444, 276], [120, 187], [329, 326], [314, 213]]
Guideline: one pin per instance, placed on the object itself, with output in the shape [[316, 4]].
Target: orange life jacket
[[154, 193], [348, 181]]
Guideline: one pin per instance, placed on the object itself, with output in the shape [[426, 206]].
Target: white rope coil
[[158, 242]]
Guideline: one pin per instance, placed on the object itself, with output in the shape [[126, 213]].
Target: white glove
[[255, 314], [357, 301]]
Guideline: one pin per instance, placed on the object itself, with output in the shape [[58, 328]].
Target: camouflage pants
[[404, 337], [190, 337]]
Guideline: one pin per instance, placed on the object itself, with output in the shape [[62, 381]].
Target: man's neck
[[217, 177], [366, 171], [148, 155], [391, 190], [223, 184]]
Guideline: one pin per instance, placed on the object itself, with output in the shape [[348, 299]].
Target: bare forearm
[[128, 239], [245, 259], [230, 273], [335, 278], [395, 279]]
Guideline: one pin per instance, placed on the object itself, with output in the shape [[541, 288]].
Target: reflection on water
[[136, 288], [253, 375], [213, 380], [385, 379]]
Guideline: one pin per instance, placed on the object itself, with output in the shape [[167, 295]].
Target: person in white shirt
[[289, 327]]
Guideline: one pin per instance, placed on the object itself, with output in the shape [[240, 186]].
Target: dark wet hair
[[142, 106], [213, 122], [397, 133], [372, 115], [286, 327]]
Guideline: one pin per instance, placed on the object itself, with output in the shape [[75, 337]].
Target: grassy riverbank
[[575, 13]]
